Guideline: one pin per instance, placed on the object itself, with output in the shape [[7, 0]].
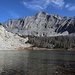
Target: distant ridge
[[41, 24], [40, 31]]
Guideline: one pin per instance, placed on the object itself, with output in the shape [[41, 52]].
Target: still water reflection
[[37, 62]]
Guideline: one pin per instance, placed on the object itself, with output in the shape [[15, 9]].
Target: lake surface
[[27, 62]]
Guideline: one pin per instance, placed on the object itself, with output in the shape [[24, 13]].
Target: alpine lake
[[37, 62]]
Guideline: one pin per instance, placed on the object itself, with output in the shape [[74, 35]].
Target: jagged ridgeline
[[41, 24], [44, 30]]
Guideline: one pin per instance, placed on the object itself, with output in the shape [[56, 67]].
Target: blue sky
[[11, 9]]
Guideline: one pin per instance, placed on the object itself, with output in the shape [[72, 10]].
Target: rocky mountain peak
[[41, 14], [41, 24]]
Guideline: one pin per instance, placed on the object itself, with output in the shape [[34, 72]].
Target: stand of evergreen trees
[[65, 42]]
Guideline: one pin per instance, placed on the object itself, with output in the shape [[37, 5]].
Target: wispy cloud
[[43, 4], [67, 5], [58, 3], [70, 7], [13, 14]]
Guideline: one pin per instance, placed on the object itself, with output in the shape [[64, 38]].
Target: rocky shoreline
[[37, 48], [58, 71]]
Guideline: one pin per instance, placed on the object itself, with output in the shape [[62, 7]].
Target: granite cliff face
[[10, 41], [13, 33], [41, 24]]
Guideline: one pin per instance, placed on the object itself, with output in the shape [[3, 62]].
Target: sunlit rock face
[[41, 24], [10, 41]]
